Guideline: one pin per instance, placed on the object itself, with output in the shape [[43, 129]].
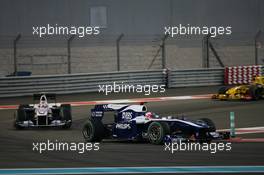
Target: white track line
[[248, 130]]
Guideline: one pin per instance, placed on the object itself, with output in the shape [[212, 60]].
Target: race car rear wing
[[110, 107], [120, 107]]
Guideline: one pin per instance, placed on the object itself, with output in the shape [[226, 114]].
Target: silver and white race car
[[43, 113]]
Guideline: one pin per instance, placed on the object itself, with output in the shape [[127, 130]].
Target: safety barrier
[[196, 77], [242, 74], [75, 83], [79, 83]]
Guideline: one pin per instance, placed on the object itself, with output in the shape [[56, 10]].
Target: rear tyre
[[93, 131], [66, 115], [210, 123], [157, 131]]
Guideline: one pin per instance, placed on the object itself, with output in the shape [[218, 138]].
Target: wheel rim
[[154, 133]]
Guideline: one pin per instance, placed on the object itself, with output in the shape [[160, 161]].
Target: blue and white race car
[[134, 122]]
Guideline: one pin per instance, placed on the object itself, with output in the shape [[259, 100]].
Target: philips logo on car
[[123, 126]]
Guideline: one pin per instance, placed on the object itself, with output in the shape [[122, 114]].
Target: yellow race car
[[253, 91]]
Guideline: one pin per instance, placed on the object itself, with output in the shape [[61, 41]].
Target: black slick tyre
[[93, 131], [20, 116], [210, 123], [157, 131], [66, 115]]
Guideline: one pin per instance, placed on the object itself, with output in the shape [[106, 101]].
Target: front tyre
[[157, 131], [20, 116], [210, 123]]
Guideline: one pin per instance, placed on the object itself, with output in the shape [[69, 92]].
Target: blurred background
[[132, 35]]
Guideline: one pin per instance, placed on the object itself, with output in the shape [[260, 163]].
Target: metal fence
[[236, 49], [71, 54], [79, 83], [66, 55], [259, 47]]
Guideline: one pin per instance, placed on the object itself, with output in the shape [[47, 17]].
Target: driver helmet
[[149, 115], [43, 102]]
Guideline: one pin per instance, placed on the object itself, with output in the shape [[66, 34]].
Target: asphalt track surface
[[16, 145]]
